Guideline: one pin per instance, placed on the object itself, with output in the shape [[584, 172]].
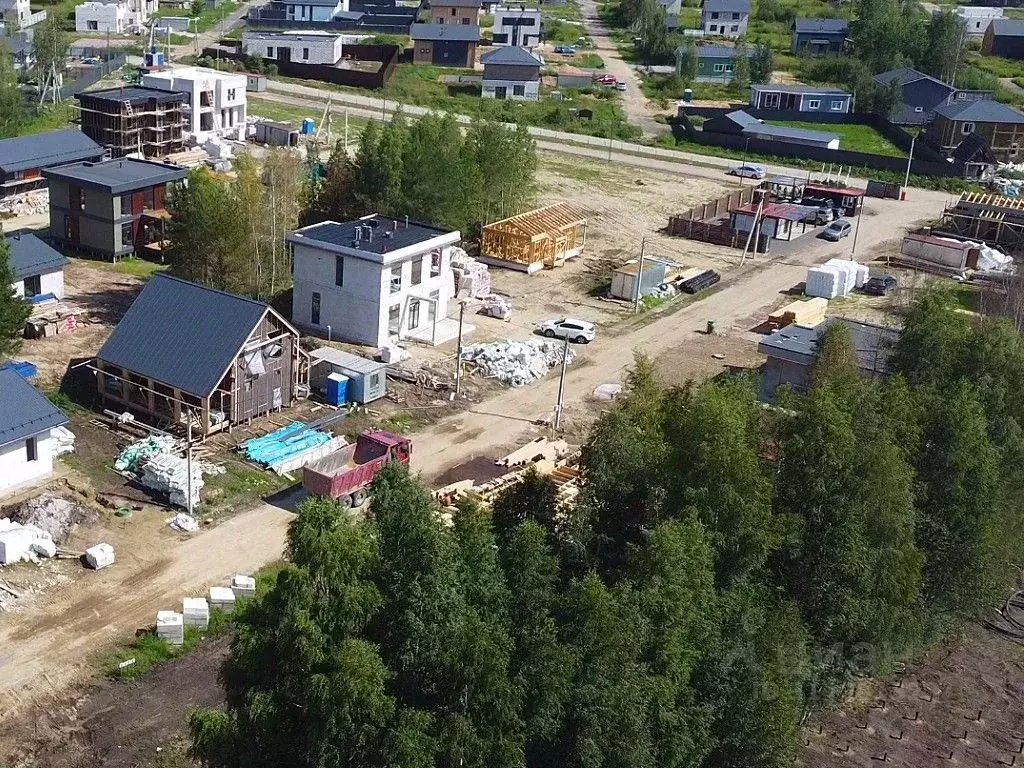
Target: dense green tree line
[[725, 568], [429, 170]]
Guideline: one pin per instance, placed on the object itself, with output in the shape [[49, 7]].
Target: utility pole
[[639, 277], [561, 384], [906, 179], [739, 176], [188, 463], [856, 231], [458, 354]]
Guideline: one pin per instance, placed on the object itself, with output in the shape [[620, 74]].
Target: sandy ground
[[48, 649]]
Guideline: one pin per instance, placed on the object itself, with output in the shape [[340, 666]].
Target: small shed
[[624, 279], [847, 198], [535, 240], [367, 379], [944, 251], [276, 134], [255, 83]]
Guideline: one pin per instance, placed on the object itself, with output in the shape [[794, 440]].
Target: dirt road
[[639, 110]]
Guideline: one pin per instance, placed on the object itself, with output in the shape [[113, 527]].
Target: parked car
[[749, 171], [880, 285], [566, 50], [607, 80], [579, 331], [620, 86], [837, 230]]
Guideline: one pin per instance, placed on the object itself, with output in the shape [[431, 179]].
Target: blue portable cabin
[[366, 379]]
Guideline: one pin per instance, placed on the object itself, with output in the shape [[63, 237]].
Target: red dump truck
[[347, 473]]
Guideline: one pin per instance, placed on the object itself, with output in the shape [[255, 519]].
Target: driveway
[[638, 109]]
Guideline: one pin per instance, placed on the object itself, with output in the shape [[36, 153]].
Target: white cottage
[[374, 280], [38, 268], [27, 423]]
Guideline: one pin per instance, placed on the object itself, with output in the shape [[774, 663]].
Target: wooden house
[[532, 241], [187, 351], [1001, 126]]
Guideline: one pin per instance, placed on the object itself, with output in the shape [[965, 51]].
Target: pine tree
[[12, 104], [14, 310]]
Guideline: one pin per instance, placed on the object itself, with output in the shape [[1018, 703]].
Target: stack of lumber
[[807, 313]]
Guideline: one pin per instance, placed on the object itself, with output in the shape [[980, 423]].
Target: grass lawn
[[998, 66], [857, 138], [131, 266], [285, 113]]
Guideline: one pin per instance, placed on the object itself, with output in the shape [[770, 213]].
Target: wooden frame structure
[[539, 239], [994, 219]]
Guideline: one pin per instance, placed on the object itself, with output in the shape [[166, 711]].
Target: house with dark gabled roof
[[819, 37], [23, 158], [27, 422], [511, 73], [445, 45], [725, 18], [715, 62], [38, 268], [1004, 37], [1001, 126], [184, 351], [800, 98], [921, 94]]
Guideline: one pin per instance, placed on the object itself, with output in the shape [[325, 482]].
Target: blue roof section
[[511, 55], [24, 410], [1007, 27], [135, 94], [467, 33], [182, 334], [722, 51], [386, 234], [804, 89], [821, 26], [31, 256], [43, 150], [785, 132], [984, 111], [729, 6], [904, 75], [118, 176], [742, 119]]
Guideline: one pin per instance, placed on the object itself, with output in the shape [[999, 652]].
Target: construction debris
[[99, 556], [184, 523], [35, 203], [157, 464], [496, 306], [517, 363], [170, 626], [54, 514], [63, 440], [472, 278], [535, 450], [137, 453], [23, 543]]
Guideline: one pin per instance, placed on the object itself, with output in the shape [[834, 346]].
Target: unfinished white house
[[16, 15], [27, 422], [116, 17], [516, 25], [216, 105], [301, 47], [374, 280], [38, 268]]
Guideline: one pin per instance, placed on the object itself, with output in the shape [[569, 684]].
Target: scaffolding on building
[[992, 219], [154, 128]]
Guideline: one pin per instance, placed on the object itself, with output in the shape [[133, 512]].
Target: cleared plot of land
[[857, 138]]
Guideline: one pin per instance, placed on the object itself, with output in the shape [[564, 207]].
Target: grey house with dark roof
[[184, 350], [725, 18], [1004, 37], [800, 98], [111, 209], [791, 352], [512, 73], [27, 421], [715, 62], [373, 280], [38, 268], [1001, 127], [23, 158], [740, 123], [445, 45], [819, 37], [921, 95]]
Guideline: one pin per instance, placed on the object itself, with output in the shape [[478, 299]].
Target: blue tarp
[[284, 443]]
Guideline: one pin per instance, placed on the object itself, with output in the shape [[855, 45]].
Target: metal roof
[[1007, 27], [346, 360], [872, 343], [24, 411], [42, 150], [743, 6], [182, 334], [510, 55], [742, 119], [804, 89], [468, 33], [786, 132], [135, 94], [821, 26], [786, 211], [722, 51], [386, 234], [905, 75], [118, 176], [31, 256], [456, 4], [849, 191], [984, 111]]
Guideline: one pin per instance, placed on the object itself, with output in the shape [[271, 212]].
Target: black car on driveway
[[880, 285]]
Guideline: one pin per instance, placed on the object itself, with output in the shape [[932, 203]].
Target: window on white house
[[396, 279], [435, 264], [735, 17], [31, 452], [518, 90], [837, 106], [719, 67], [231, 94], [414, 315], [270, 51], [713, 28], [305, 54], [967, 128], [714, 15], [734, 28], [813, 103], [417, 272], [339, 271], [1013, 150]]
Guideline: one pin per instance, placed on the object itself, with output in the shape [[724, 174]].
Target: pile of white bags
[[168, 474], [835, 278], [517, 363], [24, 543], [99, 556]]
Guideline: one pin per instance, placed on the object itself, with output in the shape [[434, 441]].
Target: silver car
[[579, 331], [837, 229]]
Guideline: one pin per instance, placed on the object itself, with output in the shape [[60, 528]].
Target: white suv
[[579, 331]]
